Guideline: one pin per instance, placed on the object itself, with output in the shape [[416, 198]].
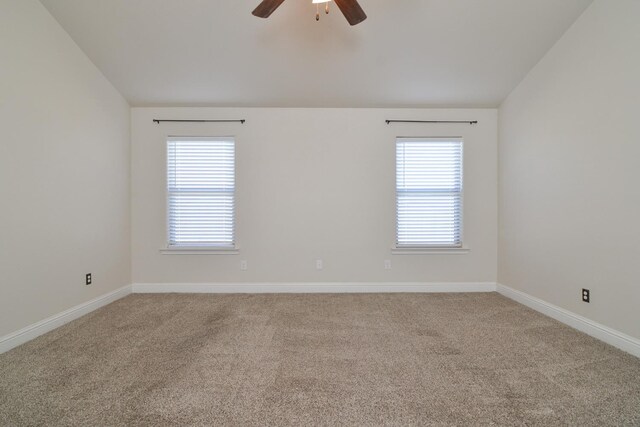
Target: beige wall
[[314, 184], [64, 171], [570, 173]]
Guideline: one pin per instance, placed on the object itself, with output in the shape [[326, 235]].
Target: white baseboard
[[309, 288], [30, 332], [594, 329], [603, 333]]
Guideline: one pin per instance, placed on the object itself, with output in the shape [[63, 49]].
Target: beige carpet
[[384, 359]]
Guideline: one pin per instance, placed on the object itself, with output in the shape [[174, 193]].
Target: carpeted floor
[[349, 359]]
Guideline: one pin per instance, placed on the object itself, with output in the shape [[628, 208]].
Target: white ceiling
[[408, 53]]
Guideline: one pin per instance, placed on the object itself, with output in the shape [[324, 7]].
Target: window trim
[[457, 249], [169, 249], [198, 250], [428, 250]]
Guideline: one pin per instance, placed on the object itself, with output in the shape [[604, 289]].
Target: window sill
[[199, 250], [395, 250]]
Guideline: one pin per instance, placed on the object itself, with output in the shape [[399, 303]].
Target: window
[[428, 193], [201, 192]]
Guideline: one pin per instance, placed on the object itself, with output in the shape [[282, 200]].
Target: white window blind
[[429, 192], [201, 192]]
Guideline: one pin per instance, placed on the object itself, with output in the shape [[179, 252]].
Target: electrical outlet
[[87, 279], [585, 295], [243, 265], [387, 264], [319, 264]]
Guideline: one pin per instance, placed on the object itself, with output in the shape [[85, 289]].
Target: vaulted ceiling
[[408, 53]]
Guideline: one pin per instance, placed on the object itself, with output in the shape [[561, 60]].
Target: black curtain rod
[[199, 121], [471, 122]]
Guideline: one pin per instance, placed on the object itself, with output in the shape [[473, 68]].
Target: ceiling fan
[[350, 9]]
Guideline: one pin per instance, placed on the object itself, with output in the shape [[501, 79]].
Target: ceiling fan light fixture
[[349, 8]]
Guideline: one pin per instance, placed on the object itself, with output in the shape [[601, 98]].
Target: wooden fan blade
[[352, 11], [266, 8]]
